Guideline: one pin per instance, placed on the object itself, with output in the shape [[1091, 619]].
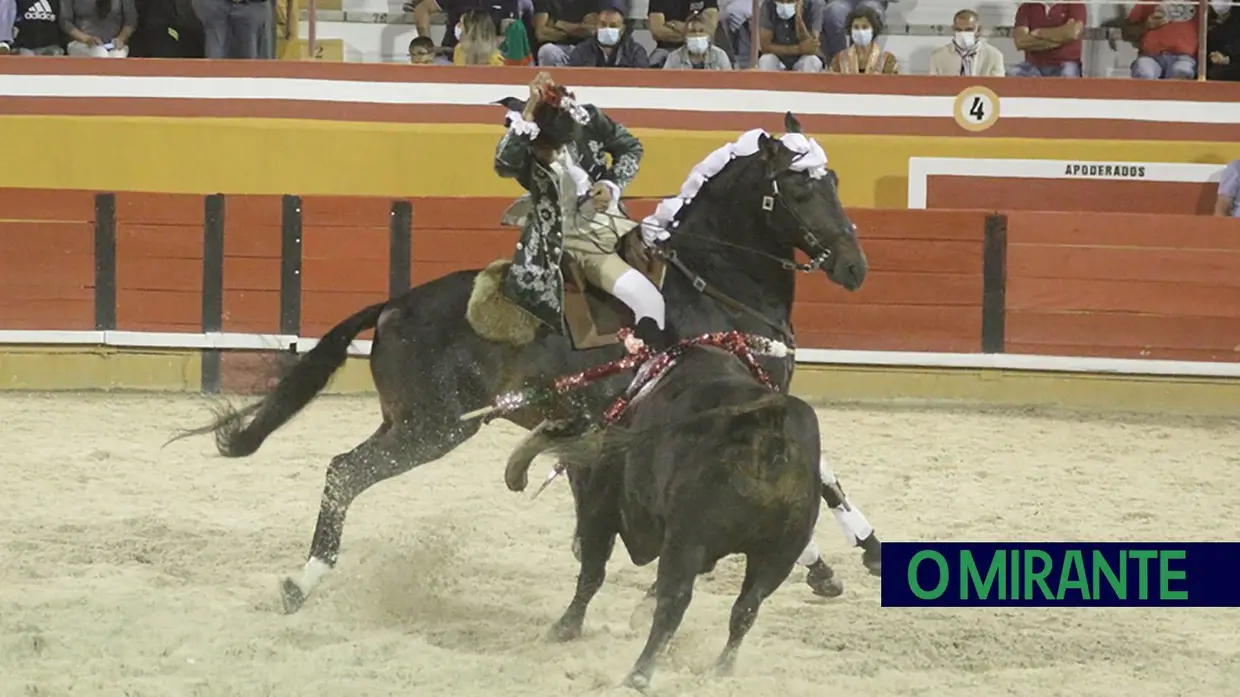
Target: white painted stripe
[[678, 99], [889, 359], [171, 340], [1016, 361], [920, 169]]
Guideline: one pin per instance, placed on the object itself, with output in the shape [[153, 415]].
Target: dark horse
[[710, 462], [735, 270]]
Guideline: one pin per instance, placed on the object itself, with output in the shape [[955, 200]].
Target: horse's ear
[[791, 125], [768, 147]]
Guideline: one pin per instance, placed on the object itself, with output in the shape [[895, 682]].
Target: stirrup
[[649, 333]]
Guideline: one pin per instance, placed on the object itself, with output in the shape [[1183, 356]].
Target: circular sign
[[977, 109]]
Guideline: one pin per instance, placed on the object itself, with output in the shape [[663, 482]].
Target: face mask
[[697, 44], [862, 37], [786, 10], [608, 36], [457, 32], [966, 39]]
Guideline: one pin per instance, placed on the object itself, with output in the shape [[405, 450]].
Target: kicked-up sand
[[131, 570]]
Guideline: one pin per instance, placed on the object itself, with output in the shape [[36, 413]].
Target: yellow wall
[[274, 156]]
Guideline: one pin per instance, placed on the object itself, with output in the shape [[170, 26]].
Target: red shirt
[[1035, 15], [1179, 35]]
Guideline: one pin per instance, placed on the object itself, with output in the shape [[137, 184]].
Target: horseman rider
[[555, 148]]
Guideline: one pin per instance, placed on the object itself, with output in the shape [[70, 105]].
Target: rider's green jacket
[[535, 281]]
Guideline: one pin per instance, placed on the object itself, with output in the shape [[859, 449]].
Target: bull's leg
[[598, 537], [642, 616], [394, 449], [763, 575], [857, 530], [679, 563]]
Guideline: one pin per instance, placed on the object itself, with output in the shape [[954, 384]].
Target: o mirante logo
[[977, 574]]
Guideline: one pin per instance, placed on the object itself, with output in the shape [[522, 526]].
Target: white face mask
[[966, 39], [608, 36], [862, 37], [786, 10], [697, 44], [457, 32]]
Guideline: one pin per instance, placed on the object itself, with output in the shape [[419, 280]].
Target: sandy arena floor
[[130, 570]]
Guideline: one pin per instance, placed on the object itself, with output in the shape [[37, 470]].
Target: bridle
[[771, 201]]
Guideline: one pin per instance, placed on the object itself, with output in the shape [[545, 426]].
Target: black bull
[[709, 463], [736, 238]]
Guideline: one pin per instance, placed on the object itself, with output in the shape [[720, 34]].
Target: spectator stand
[[378, 31]]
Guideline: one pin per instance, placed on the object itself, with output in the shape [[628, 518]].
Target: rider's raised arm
[[514, 155], [625, 149]]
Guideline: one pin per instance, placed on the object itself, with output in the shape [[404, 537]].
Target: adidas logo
[[41, 11]]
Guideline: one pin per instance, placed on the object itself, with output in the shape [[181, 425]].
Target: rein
[[699, 283], [701, 286]]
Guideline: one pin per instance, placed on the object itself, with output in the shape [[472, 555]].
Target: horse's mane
[[720, 221], [724, 180]]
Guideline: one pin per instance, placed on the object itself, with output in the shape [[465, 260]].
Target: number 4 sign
[[977, 109]]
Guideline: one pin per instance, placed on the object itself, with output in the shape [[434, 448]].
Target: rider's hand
[[541, 80], [601, 193]]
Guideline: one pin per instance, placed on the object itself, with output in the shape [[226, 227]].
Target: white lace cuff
[[612, 187], [517, 124]]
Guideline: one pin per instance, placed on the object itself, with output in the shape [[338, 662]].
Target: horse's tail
[[615, 439], [301, 384]]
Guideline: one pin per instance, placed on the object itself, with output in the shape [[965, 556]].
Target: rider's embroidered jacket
[[535, 281]]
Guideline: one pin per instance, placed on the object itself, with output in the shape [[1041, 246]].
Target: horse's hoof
[[291, 596], [822, 581], [872, 555], [563, 631]]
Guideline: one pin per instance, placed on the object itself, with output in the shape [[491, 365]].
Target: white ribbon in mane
[[813, 159]]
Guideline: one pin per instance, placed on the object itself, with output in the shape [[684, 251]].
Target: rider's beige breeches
[[592, 245]]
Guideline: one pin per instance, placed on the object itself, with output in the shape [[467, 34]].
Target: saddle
[[594, 316]]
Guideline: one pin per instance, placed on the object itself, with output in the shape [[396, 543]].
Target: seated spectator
[[98, 28], [1050, 36], [836, 22], [788, 35], [233, 29], [667, 24], [611, 46], [734, 17], [36, 31], [559, 25], [1223, 47], [1228, 203], [699, 51], [422, 51], [499, 10], [515, 44], [864, 56], [476, 42], [1166, 39], [967, 54], [8, 18]]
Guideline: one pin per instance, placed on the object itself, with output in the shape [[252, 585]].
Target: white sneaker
[[5, 48]]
